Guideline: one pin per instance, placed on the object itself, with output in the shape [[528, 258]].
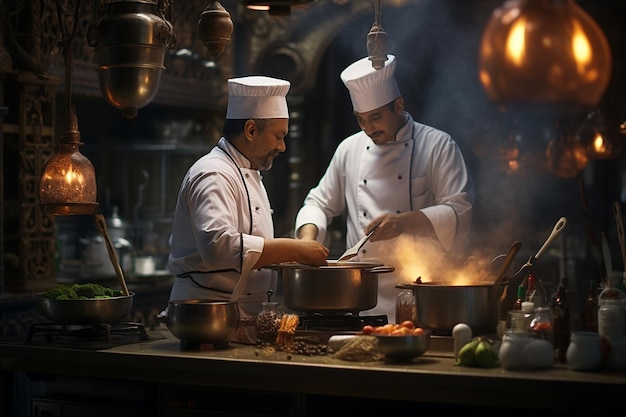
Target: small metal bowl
[[403, 348]]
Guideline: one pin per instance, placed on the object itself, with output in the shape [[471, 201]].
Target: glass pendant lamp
[[544, 51]]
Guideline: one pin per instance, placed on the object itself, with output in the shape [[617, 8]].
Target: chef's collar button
[[365, 181], [247, 175], [256, 208], [367, 147], [400, 176], [406, 144], [398, 211], [365, 214]]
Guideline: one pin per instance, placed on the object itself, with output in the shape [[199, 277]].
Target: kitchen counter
[[432, 378]]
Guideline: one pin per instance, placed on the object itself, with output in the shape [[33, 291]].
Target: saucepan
[[199, 321], [339, 287]]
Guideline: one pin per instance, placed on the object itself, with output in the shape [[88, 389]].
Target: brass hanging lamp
[[544, 51], [215, 28], [68, 182], [130, 38], [377, 40]]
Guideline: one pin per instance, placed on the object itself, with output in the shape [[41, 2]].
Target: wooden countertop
[[429, 378]]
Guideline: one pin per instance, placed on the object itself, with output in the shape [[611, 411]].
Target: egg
[[462, 334]]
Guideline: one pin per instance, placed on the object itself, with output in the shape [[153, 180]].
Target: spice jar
[[541, 326], [584, 351], [405, 306], [268, 321]]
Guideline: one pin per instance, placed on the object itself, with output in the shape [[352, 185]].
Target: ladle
[[102, 227], [556, 232]]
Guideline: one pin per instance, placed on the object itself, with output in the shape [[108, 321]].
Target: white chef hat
[[257, 97], [371, 88]]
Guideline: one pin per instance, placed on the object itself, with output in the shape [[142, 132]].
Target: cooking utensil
[[87, 311], [201, 321], [403, 348], [556, 232], [501, 279], [102, 226], [441, 307], [354, 250], [617, 212], [334, 288]]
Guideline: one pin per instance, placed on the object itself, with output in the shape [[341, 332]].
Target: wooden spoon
[[102, 226]]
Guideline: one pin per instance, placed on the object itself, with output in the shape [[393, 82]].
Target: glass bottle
[[268, 321], [533, 293], [611, 304], [561, 322], [405, 306], [591, 307], [541, 325], [521, 297]]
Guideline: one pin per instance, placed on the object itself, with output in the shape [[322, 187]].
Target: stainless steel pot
[[335, 288], [201, 321], [440, 307], [88, 311]]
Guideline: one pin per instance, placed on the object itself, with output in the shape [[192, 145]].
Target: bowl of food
[[400, 342]]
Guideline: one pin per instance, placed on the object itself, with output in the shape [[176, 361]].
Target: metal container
[[202, 321], [86, 311], [335, 288], [440, 307]]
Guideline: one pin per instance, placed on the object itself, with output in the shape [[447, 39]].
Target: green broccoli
[[91, 290], [61, 292]]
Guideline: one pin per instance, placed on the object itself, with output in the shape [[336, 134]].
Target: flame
[[599, 144], [422, 259], [515, 43]]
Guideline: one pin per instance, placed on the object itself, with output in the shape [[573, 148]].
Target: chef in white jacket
[[396, 177], [223, 232]]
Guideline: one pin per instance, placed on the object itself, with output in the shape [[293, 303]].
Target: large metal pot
[[86, 311], [440, 307], [335, 288], [196, 322]]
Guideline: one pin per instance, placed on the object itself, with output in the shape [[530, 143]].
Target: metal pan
[[87, 311]]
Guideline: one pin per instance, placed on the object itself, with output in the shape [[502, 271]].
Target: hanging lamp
[[544, 51], [68, 182]]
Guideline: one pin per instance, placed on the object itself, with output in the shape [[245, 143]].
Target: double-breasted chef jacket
[[423, 169], [221, 219]]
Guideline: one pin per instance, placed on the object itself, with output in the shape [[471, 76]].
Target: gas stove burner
[[94, 336], [339, 322]]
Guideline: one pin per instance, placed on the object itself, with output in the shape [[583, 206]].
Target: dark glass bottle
[[591, 307], [561, 322], [533, 293], [521, 297]]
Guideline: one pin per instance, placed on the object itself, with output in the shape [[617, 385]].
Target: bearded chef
[[223, 233], [396, 177]]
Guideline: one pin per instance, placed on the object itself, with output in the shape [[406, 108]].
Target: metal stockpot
[[440, 307], [335, 288], [201, 321]]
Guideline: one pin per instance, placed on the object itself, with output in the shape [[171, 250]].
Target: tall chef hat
[[257, 97], [370, 88]]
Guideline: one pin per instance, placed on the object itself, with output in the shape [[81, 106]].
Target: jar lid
[[528, 307]]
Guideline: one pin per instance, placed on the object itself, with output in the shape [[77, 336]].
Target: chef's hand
[[312, 253], [389, 226], [279, 250]]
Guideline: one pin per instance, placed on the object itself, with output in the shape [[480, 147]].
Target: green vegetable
[[466, 353], [479, 352], [485, 355], [61, 292], [80, 292]]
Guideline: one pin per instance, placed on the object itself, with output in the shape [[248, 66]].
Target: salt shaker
[[268, 321]]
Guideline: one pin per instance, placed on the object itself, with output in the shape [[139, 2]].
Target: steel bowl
[[403, 347], [202, 321], [86, 311]]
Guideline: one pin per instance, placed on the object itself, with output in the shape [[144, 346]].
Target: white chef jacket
[[222, 216], [423, 169]]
